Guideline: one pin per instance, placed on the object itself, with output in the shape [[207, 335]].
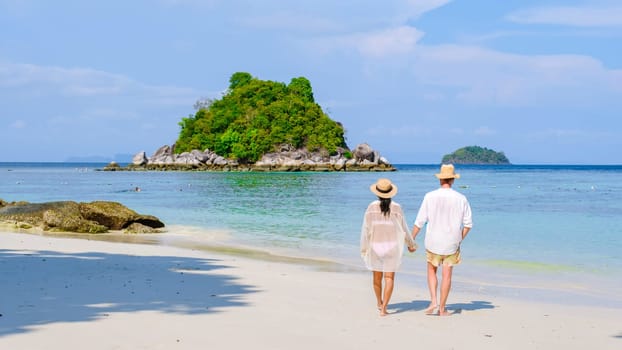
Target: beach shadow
[[42, 287], [457, 308], [415, 305], [619, 336]]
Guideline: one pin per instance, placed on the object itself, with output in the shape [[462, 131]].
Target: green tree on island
[[475, 155], [255, 116]]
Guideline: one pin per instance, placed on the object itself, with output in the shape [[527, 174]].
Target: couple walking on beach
[[446, 213]]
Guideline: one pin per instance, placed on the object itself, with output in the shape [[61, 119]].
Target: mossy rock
[[69, 216], [68, 219]]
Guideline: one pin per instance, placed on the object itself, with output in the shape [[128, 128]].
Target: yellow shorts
[[446, 260]]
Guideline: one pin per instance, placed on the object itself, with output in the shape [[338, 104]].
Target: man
[[448, 217]]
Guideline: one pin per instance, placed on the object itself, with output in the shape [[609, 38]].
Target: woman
[[383, 235]]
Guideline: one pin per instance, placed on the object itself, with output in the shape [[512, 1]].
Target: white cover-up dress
[[383, 238]]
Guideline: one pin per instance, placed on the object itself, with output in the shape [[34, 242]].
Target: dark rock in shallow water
[[112, 166], [69, 216]]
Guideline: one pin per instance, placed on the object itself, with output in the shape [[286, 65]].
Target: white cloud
[[378, 44], [392, 41], [580, 16], [487, 76], [67, 81], [36, 80], [415, 8], [323, 16], [292, 22]]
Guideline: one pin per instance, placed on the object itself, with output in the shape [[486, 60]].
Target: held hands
[[413, 248]]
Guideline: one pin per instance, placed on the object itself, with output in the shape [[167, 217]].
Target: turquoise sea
[[541, 232]]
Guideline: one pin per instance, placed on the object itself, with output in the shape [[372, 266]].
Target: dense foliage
[[255, 116], [475, 155]]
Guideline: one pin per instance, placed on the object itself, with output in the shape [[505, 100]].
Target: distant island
[[475, 155], [261, 125]]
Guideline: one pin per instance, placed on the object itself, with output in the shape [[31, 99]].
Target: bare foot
[[383, 312], [379, 306], [444, 313], [431, 309]]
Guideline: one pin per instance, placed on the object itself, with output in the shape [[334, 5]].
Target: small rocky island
[[475, 155], [69, 216], [260, 125]]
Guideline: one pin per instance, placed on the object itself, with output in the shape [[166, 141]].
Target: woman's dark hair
[[385, 206]]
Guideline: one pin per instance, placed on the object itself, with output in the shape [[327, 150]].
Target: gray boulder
[[140, 158], [163, 155], [364, 152]]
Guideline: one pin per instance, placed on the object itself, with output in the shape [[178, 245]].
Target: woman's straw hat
[[447, 172], [383, 188]]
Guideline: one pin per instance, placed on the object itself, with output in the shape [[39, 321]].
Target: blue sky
[[539, 80]]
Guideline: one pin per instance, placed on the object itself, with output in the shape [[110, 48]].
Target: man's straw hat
[[383, 188], [447, 172]]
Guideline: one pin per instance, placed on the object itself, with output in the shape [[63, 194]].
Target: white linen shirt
[[446, 212]]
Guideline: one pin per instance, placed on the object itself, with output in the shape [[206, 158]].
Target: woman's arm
[[365, 235]]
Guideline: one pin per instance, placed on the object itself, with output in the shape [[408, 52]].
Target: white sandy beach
[[63, 293]]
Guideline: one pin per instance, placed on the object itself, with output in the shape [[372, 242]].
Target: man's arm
[[415, 232], [465, 232]]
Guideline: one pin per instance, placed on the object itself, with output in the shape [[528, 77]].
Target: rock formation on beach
[[69, 216], [363, 158]]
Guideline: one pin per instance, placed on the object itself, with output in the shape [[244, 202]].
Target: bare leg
[[433, 286], [389, 280], [445, 287], [378, 288]]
